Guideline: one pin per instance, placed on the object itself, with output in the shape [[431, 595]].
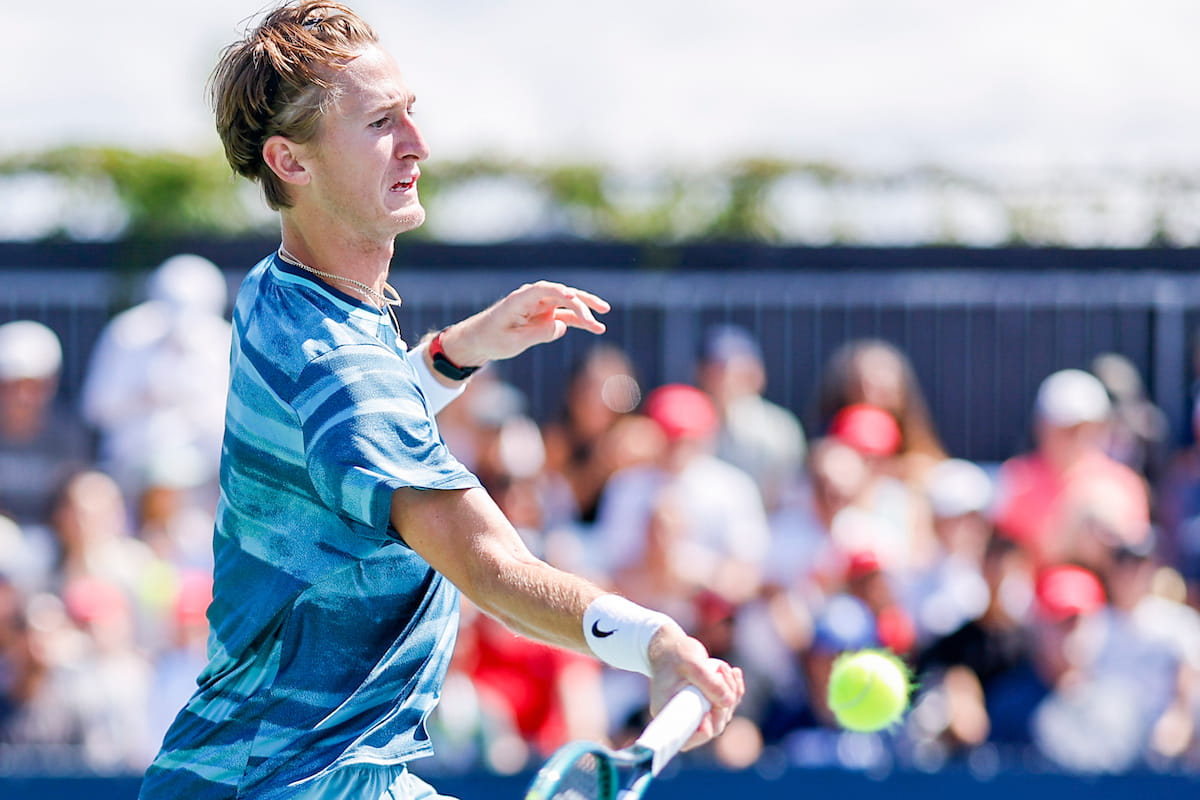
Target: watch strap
[[443, 364]]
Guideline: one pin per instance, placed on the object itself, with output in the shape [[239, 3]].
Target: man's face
[[363, 162]]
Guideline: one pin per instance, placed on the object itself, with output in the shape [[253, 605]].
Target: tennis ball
[[868, 690]]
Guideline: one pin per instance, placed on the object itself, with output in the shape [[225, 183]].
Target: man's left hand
[[533, 314]]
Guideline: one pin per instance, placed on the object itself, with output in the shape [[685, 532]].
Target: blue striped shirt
[[330, 637]]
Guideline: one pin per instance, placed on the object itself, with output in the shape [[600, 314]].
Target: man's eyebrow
[[387, 104]]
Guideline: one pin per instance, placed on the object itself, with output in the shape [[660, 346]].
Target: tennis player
[[345, 529]]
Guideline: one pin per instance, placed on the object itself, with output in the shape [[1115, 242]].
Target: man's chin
[[410, 219]]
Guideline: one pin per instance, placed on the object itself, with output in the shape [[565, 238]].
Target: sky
[[983, 87]]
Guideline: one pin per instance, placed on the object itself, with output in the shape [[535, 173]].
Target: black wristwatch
[[443, 364]]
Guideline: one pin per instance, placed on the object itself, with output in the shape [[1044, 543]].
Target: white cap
[[1070, 397], [958, 487], [28, 349], [190, 281]]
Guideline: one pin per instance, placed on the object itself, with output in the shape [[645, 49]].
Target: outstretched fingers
[[573, 307]]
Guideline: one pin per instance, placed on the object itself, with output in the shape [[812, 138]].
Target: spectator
[[76, 691], [507, 451], [803, 556], [601, 390], [803, 569], [91, 525], [762, 438], [1138, 433], [797, 719], [951, 590], [174, 518], [992, 679], [1142, 654], [1178, 509], [1068, 498], [40, 442], [724, 535], [899, 533], [469, 423], [878, 373], [112, 698], [34, 712], [159, 371], [184, 653]]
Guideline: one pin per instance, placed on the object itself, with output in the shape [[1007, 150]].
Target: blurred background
[[903, 354]]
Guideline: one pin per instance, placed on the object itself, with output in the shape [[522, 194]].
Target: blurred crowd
[[1047, 605]]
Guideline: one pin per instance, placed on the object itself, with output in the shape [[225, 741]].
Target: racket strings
[[590, 777]]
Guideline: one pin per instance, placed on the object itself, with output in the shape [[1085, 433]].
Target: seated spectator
[[174, 516], [899, 531], [802, 555], [40, 441], [1058, 500], [158, 374], [486, 401], [867, 581], [76, 693], [184, 653], [1178, 510], [986, 681], [26, 559], [799, 722], [762, 438], [951, 590], [1141, 655], [95, 541], [112, 698], [723, 536], [1138, 431], [601, 391], [877, 373]]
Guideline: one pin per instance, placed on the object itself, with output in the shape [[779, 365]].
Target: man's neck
[[338, 253]]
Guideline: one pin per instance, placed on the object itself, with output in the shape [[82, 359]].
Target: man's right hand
[[677, 660]]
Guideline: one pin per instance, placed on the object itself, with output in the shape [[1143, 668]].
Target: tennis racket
[[589, 771]]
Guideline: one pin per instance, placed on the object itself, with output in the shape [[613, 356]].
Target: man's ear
[[283, 156]]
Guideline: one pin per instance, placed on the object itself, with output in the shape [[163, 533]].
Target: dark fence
[[981, 327]]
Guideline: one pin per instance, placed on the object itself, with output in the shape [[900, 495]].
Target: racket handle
[[673, 726]]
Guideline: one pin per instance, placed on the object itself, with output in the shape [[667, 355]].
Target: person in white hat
[[40, 442], [1068, 497], [157, 377]]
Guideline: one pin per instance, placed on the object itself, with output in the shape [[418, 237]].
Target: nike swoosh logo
[[599, 634]]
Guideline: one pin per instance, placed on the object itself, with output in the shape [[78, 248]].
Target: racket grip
[[673, 726]]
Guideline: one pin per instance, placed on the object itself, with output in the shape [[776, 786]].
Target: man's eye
[[379, 123]]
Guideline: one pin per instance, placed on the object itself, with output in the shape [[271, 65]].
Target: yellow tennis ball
[[868, 690]]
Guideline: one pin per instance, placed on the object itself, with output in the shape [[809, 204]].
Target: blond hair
[[276, 81]]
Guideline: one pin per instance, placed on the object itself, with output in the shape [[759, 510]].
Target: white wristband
[[619, 632], [437, 394]]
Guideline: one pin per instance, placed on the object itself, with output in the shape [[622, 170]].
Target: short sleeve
[[368, 431]]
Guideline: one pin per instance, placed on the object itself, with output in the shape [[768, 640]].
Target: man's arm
[[535, 313], [465, 537]]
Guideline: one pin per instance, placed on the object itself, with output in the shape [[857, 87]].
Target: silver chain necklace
[[390, 303]]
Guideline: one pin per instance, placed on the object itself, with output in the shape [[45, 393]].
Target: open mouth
[[404, 185]]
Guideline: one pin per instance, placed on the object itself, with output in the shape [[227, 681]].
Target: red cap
[[682, 411], [1067, 591], [861, 563], [868, 429]]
